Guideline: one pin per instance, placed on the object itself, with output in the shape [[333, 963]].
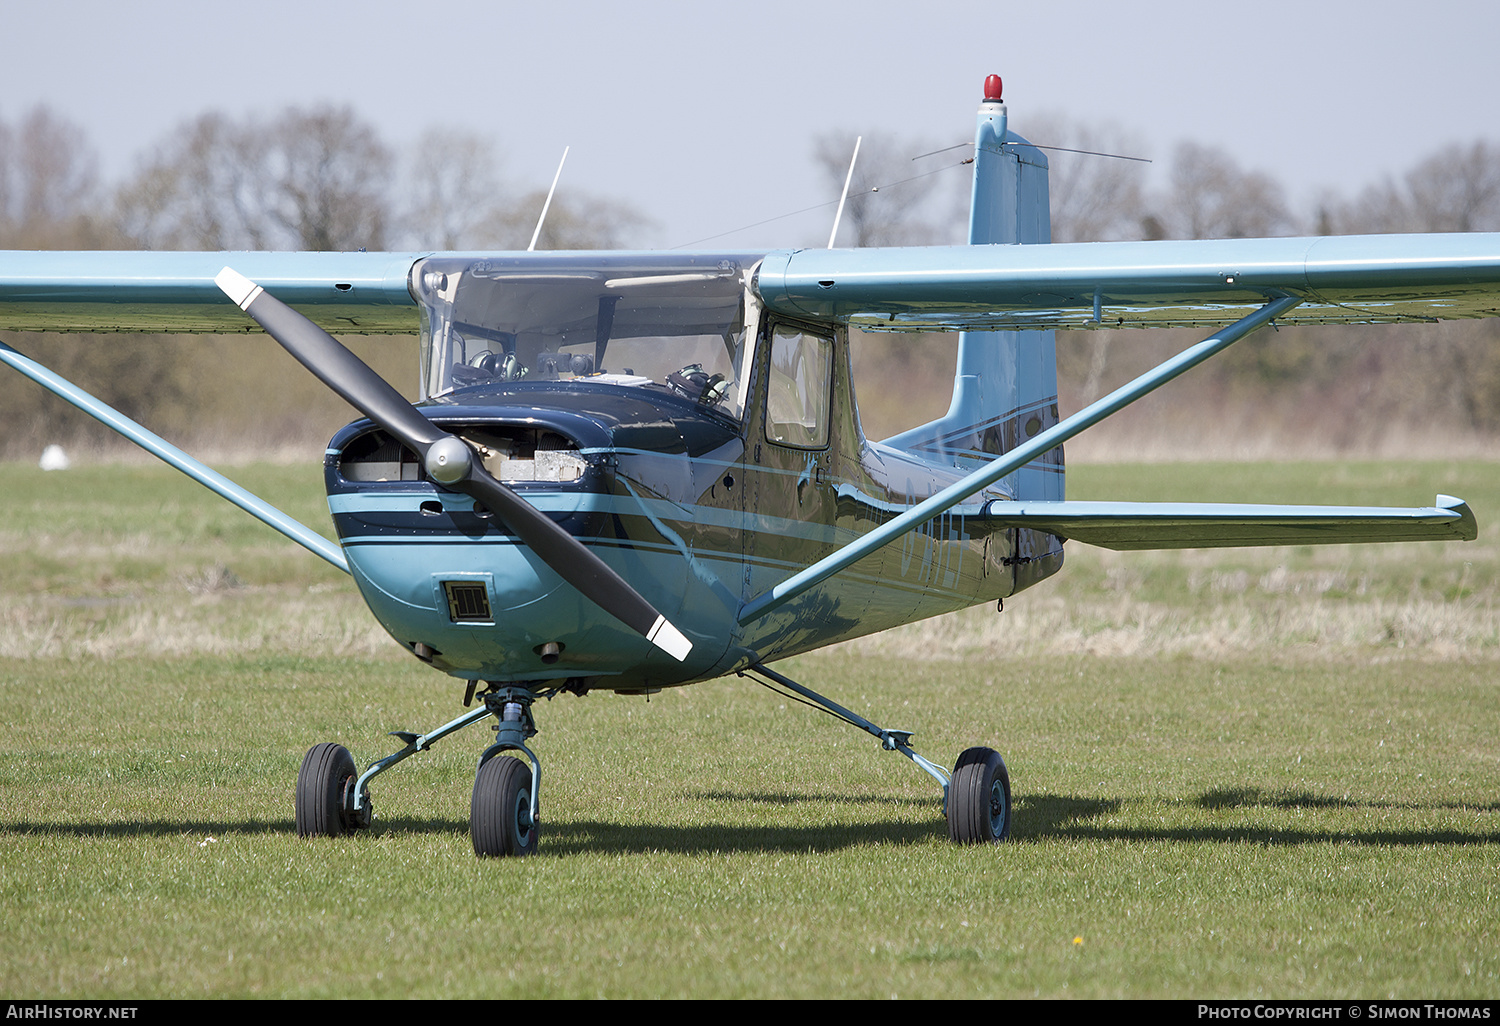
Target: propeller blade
[[450, 461], [331, 363]]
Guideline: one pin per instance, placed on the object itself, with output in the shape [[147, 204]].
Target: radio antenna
[[539, 221], [847, 179]]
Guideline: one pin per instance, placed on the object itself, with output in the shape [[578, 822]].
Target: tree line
[[307, 179], [1099, 191]]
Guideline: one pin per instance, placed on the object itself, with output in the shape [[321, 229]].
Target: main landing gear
[[504, 816], [976, 797], [978, 800]]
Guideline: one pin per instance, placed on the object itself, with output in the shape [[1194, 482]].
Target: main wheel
[[327, 774], [979, 798], [500, 820]]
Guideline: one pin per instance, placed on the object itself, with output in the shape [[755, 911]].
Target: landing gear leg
[[333, 799], [976, 798], [890, 740], [504, 815]]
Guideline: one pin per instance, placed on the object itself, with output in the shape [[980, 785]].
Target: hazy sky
[[702, 114]]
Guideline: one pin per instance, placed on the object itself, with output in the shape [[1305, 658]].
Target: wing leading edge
[[347, 293], [1353, 279], [1192, 525]]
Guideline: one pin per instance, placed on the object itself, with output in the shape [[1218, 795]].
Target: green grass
[[1247, 784]]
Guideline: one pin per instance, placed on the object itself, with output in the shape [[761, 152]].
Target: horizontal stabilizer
[[1192, 525]]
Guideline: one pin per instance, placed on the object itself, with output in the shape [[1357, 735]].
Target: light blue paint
[[1163, 525], [156, 292]]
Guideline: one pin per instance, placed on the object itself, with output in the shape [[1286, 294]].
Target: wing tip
[[1467, 527]]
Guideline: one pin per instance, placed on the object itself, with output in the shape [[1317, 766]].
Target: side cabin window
[[800, 388]]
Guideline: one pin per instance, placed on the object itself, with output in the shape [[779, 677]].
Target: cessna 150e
[[636, 470]]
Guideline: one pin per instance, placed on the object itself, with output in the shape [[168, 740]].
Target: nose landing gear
[[504, 817], [500, 818]]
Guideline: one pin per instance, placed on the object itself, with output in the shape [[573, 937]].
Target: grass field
[[1237, 773]]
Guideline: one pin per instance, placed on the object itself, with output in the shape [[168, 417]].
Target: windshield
[[643, 320]]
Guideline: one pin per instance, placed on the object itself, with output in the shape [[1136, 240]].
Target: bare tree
[[332, 175], [1458, 190], [1211, 197], [573, 222], [207, 188], [48, 185], [894, 200], [451, 188], [1454, 190], [315, 180], [1094, 198], [7, 158], [55, 169]]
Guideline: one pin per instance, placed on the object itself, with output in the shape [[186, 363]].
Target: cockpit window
[[660, 321], [798, 392]]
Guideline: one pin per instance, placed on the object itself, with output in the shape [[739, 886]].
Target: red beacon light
[[992, 86]]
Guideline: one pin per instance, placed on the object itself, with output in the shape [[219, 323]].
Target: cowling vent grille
[[468, 601]]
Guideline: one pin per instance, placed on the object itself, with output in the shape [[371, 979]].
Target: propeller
[[450, 462]]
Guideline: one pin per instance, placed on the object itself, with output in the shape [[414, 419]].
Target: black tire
[[500, 820], [979, 798], [327, 773]]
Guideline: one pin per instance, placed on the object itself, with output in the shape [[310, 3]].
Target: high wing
[[1353, 279], [152, 293], [1342, 279], [99, 291]]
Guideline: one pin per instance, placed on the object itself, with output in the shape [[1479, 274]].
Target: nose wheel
[[500, 817]]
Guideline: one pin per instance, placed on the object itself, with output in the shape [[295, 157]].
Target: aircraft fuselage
[[700, 510]]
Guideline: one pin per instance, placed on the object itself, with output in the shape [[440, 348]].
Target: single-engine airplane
[[638, 470]]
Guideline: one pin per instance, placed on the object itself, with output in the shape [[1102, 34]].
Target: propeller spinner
[[450, 462]]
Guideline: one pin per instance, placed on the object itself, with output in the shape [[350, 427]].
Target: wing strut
[[176, 458], [1012, 461]]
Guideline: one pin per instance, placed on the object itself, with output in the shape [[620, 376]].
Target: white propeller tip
[[237, 287], [669, 639]]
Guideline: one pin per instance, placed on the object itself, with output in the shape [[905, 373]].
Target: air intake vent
[[468, 601]]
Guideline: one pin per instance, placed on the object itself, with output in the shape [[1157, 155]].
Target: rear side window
[[797, 401]]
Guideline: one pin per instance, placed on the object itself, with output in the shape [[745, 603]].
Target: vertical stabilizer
[[1005, 389]]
